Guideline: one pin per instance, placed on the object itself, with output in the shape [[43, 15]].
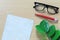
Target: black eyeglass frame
[[56, 9]]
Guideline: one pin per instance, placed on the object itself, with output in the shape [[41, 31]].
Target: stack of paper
[[17, 28]]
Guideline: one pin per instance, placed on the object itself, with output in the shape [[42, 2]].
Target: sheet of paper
[[17, 28]]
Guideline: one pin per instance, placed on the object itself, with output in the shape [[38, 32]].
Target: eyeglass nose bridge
[[56, 10]]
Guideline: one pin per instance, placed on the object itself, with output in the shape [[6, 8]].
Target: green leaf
[[44, 25]]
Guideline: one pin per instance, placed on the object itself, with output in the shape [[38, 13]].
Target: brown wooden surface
[[24, 8]]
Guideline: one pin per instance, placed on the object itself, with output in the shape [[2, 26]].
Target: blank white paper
[[17, 28]]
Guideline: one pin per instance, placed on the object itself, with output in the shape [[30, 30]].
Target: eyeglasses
[[50, 9]]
